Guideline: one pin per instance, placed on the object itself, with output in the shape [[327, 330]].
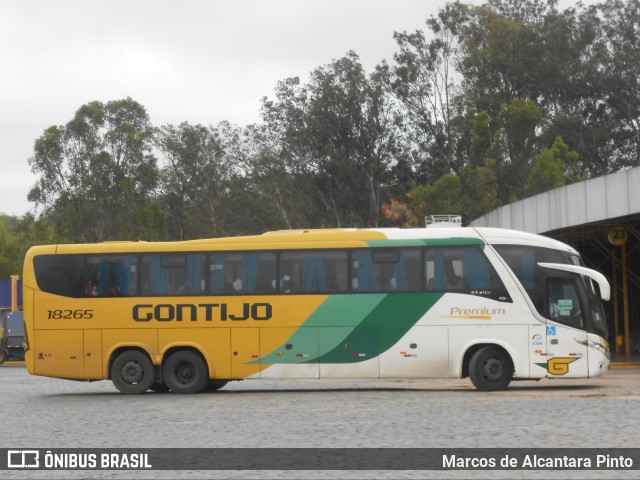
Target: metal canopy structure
[[599, 217]]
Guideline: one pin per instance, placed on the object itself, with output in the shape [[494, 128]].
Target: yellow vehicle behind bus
[[378, 303]]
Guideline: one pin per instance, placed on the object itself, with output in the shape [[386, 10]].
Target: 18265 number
[[69, 314]]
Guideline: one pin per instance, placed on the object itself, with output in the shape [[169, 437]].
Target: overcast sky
[[199, 61]]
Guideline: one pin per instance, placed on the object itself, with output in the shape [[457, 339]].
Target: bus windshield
[[541, 273], [598, 318]]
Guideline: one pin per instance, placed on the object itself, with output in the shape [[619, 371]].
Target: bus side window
[[434, 270], [155, 278], [60, 274], [476, 269], [397, 270], [239, 273], [454, 272], [91, 276], [313, 271], [195, 274], [365, 278], [463, 269]]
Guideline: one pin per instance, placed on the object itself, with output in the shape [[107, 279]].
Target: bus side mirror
[[603, 284]]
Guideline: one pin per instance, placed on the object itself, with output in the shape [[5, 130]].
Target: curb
[[624, 366]]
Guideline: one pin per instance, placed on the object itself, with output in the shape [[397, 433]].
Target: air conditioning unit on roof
[[443, 221]]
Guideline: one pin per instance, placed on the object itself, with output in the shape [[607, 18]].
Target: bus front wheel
[[132, 372], [186, 372], [490, 369]]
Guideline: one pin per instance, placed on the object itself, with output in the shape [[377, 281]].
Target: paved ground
[[602, 413]]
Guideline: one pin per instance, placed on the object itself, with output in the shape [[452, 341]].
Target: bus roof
[[318, 238]]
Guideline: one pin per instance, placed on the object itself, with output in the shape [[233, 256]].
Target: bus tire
[[132, 372], [490, 369], [186, 372]]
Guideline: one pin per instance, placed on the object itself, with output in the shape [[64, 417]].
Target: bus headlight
[[599, 347], [596, 346]]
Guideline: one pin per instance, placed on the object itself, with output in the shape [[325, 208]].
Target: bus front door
[[566, 333]]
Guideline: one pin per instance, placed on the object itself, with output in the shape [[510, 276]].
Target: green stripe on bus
[[339, 315], [400, 311], [349, 328]]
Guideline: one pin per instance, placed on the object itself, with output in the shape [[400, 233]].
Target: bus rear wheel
[[186, 372], [132, 372], [490, 369]]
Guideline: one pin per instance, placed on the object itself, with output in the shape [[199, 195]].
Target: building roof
[[596, 200]]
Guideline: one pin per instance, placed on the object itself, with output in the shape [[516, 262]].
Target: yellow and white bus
[[489, 304]]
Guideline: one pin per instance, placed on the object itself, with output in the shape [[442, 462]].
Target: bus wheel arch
[[489, 366], [131, 370], [185, 370]]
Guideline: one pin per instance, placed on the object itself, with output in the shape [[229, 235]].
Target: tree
[[620, 63], [424, 84], [337, 132], [195, 181], [11, 251], [97, 174], [17, 235], [480, 190], [275, 193], [520, 121], [555, 167], [442, 197]]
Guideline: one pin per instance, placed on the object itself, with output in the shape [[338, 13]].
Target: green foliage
[[11, 254], [17, 235], [442, 197], [97, 174], [555, 167], [480, 190]]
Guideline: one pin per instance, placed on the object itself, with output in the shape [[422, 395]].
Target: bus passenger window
[[397, 270], [111, 276], [434, 270], [463, 269], [195, 274], [312, 271], [365, 278], [240, 273]]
